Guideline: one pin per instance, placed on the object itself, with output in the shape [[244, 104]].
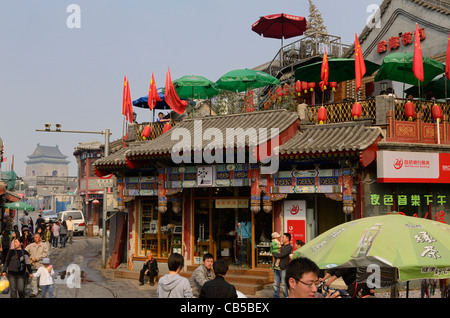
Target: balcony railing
[[156, 129], [342, 111]]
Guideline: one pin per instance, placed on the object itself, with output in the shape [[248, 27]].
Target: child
[[45, 272], [275, 247]]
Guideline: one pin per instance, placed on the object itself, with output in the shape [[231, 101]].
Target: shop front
[[411, 183]]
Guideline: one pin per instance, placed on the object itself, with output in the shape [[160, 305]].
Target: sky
[[65, 61]]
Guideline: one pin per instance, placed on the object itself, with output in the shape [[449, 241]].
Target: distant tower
[[47, 161]]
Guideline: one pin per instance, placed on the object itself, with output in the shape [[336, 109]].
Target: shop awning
[[332, 138]]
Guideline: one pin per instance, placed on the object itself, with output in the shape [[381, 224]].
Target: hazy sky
[[74, 76]]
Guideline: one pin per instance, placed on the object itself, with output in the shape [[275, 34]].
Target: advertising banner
[[413, 167], [295, 219]]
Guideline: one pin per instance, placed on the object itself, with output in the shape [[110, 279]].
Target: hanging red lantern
[[298, 88], [146, 132], [95, 202], [305, 87], [333, 86], [166, 128], [410, 112], [311, 86], [437, 112], [356, 110], [321, 115]]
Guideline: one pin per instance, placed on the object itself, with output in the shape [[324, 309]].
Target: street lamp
[[105, 133]]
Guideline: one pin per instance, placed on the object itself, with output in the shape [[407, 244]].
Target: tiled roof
[[280, 119], [117, 158], [329, 138]]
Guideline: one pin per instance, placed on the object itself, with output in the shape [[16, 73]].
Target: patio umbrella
[[279, 26], [19, 206], [398, 67], [419, 248], [340, 70], [436, 86], [242, 79], [195, 87], [142, 102]]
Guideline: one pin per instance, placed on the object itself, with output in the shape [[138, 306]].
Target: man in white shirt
[[70, 228]]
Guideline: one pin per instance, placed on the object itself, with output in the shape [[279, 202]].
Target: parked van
[[79, 224]]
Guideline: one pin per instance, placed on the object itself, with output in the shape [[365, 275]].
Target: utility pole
[[107, 134]]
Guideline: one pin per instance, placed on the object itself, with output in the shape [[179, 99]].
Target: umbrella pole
[[407, 289]]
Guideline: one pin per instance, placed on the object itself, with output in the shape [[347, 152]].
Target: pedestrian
[[24, 220], [297, 245], [173, 285], [17, 264], [70, 228], [5, 244], [40, 222], [48, 235], [202, 274], [218, 287], [55, 230], [45, 274], [63, 234], [302, 279], [26, 238], [150, 268], [38, 251], [279, 274], [275, 247]]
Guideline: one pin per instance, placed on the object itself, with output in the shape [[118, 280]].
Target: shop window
[[160, 233], [201, 229]]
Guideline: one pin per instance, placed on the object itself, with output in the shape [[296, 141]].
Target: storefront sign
[[394, 42], [231, 203], [205, 176], [295, 219], [413, 167]]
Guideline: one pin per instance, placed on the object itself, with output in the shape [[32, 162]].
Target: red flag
[[153, 96], [417, 59], [447, 60], [324, 72], [171, 96], [127, 108], [360, 66]]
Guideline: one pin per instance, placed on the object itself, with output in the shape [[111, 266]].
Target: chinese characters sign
[[393, 43]]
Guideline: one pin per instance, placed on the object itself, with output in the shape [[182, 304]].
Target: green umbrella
[[340, 70], [195, 87], [418, 248], [398, 67], [242, 79], [436, 86], [19, 206]]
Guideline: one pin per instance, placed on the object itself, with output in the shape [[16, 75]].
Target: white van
[[77, 218]]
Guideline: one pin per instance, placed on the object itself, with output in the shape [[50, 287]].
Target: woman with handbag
[[17, 263]]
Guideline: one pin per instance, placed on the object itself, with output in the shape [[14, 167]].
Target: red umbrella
[[279, 26]]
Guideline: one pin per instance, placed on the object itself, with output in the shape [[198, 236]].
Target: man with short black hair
[[202, 274], [218, 287], [279, 274]]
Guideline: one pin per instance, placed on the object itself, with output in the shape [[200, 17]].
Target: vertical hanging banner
[[295, 219]]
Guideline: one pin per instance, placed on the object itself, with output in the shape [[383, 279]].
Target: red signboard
[[297, 230]]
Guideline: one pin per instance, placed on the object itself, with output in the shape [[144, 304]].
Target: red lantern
[[333, 85], [410, 112], [311, 86], [356, 110], [298, 88], [305, 87], [146, 132], [321, 115], [437, 112], [95, 202], [166, 128]]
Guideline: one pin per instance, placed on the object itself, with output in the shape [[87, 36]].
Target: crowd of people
[[25, 254]]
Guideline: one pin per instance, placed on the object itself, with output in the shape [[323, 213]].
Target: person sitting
[[150, 268], [218, 287]]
